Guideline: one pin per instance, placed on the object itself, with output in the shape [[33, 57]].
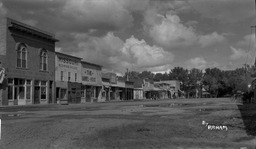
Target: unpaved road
[[140, 124]]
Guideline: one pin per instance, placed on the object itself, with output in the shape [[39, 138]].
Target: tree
[[194, 82], [212, 80]]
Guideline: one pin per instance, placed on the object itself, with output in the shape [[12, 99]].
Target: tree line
[[214, 81]]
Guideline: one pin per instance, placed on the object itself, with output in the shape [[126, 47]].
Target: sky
[[152, 35]]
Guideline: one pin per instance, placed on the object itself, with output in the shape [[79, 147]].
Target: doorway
[[37, 95]]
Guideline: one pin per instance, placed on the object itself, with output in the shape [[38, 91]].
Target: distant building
[[68, 78], [27, 64], [91, 82], [138, 89], [161, 89]]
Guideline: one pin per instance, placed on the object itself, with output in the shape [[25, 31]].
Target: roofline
[[43, 33], [68, 55], [91, 63]]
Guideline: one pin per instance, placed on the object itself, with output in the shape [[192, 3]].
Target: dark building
[[27, 59]]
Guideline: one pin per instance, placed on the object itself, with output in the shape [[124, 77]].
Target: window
[[63, 93], [19, 89], [75, 77], [61, 76], [69, 76], [28, 92], [43, 60], [21, 55], [43, 92], [82, 91], [10, 92], [21, 92]]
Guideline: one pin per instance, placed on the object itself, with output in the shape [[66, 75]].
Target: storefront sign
[[68, 63], [90, 76]]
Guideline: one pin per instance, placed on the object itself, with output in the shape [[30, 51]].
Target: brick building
[[27, 56]]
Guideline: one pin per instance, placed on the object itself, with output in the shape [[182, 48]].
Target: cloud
[[97, 14], [3, 10], [115, 54], [168, 31], [211, 39], [76, 15], [161, 69], [237, 53], [171, 33], [197, 62], [244, 49], [248, 40], [224, 10]]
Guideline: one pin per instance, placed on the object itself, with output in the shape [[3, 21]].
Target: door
[[15, 95], [37, 95]]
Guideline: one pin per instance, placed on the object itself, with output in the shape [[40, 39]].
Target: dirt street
[[134, 124]]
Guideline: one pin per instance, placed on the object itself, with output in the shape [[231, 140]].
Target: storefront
[[106, 89], [91, 89], [129, 89], [28, 61], [68, 78]]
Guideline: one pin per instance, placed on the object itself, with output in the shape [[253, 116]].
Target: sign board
[[69, 63], [91, 76]]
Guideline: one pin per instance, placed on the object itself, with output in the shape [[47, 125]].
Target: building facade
[[91, 90], [27, 58], [68, 78]]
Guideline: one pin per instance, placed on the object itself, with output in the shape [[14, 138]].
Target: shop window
[[28, 92], [21, 92], [43, 92], [43, 60], [63, 93], [10, 92], [21, 55], [57, 92], [21, 82], [28, 82], [37, 83], [43, 82], [82, 91], [10, 81], [16, 81]]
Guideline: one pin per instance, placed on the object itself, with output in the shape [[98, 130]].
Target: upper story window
[[69, 76], [61, 76], [43, 60], [22, 55]]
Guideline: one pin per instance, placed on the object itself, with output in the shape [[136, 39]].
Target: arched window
[[43, 60], [21, 55]]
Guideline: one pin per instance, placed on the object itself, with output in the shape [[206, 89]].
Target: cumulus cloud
[[197, 62], [237, 53], [171, 33], [168, 31], [211, 39], [115, 54]]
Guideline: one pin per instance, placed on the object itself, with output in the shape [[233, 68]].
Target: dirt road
[[140, 124]]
